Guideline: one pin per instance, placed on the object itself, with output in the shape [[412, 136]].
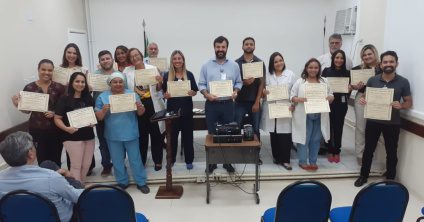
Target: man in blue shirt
[[19, 153], [219, 109]]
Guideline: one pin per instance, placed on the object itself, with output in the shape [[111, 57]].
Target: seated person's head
[[17, 149]]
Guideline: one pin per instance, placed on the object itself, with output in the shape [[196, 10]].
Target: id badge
[[343, 99], [223, 76]]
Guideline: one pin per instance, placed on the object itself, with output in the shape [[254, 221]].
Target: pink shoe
[[336, 158], [330, 158]]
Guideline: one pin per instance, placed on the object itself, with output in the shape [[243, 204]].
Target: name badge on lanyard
[[343, 99], [223, 76]]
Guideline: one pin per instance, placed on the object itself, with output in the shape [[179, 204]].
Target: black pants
[[145, 128], [48, 144], [337, 117], [373, 131], [185, 125], [281, 144]]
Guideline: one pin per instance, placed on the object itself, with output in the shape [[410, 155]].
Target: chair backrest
[[380, 201], [303, 201], [421, 218], [105, 203], [23, 205]]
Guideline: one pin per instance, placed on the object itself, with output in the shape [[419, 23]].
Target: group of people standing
[[127, 134]]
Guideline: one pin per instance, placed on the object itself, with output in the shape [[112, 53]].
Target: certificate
[[98, 82], [253, 70], [223, 88], [378, 103], [279, 110], [122, 103], [339, 84], [361, 75], [178, 88], [144, 77], [317, 106], [61, 75], [82, 117], [278, 92], [315, 91], [160, 63], [30, 101]]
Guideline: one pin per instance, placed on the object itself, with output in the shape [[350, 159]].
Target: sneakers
[[360, 181], [144, 189], [189, 166], [107, 171], [229, 168]]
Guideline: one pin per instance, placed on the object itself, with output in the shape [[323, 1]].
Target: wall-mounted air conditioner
[[345, 23]]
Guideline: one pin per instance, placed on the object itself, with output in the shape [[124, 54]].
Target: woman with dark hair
[[41, 125], [178, 72], [79, 143], [307, 129], [279, 129], [121, 58], [339, 105], [71, 62]]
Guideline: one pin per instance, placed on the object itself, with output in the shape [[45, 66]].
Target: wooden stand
[[169, 191]]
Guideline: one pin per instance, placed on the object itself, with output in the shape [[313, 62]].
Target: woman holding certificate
[[339, 79], [142, 78], [180, 99], [279, 129], [71, 62], [121, 58], [78, 142], [41, 125], [311, 95], [370, 64], [119, 108]]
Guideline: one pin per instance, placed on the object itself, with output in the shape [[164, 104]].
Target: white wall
[[31, 30]]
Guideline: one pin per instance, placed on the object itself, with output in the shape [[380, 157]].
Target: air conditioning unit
[[345, 23]]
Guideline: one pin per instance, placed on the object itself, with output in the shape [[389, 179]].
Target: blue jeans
[[243, 108], [313, 139], [104, 150], [117, 151]]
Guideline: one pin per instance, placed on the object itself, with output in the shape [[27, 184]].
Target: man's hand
[[362, 101], [396, 105]]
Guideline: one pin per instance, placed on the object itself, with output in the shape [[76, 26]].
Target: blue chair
[[302, 201], [23, 206], [107, 203], [381, 201], [421, 218]]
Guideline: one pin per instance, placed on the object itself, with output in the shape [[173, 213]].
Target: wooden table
[[229, 153]]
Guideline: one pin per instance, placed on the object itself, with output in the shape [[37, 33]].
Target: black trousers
[[337, 117], [373, 131], [281, 144], [48, 144], [147, 128], [185, 125]]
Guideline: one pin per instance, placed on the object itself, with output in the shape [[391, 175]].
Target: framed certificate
[[223, 88], [315, 91], [361, 75], [31, 101], [144, 77], [378, 103], [277, 92], [253, 70], [122, 103], [339, 84], [317, 106], [160, 63], [82, 117], [179, 88], [279, 110], [98, 82]]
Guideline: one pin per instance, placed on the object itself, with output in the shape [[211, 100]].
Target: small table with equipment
[[229, 153]]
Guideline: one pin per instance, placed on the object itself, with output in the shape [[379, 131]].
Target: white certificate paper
[[31, 101], [361, 75], [317, 106], [144, 77], [122, 103], [315, 91], [82, 117], [339, 84], [378, 103], [98, 82], [61, 75], [253, 70], [279, 110], [223, 88], [277, 92], [179, 88], [160, 63]]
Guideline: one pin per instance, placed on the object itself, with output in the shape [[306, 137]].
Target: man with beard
[[402, 99], [219, 110], [249, 97], [106, 68], [335, 42], [152, 52]]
